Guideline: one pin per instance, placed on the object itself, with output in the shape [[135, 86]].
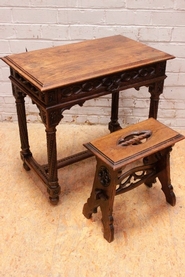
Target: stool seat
[[112, 150], [126, 159]]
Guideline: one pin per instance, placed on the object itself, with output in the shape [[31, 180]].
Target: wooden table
[[60, 77]]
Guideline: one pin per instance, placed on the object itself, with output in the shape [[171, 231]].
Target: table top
[[115, 153], [68, 64]]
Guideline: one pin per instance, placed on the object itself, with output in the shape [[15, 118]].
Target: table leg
[[53, 185], [114, 124], [155, 89], [23, 131]]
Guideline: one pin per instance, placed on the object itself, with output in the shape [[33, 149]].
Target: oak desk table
[[60, 77]]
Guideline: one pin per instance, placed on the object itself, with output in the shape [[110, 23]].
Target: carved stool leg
[[93, 202], [163, 167], [23, 131], [53, 186], [102, 195], [107, 210], [151, 180]]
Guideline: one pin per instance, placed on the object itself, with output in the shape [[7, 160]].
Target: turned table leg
[[114, 124], [155, 89], [23, 131], [53, 185]]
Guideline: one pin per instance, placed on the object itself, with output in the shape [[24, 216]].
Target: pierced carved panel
[[80, 92], [134, 177], [88, 89], [112, 83]]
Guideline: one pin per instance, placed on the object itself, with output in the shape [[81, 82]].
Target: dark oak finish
[[60, 77], [149, 144]]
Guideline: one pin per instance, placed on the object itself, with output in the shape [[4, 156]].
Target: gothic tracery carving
[[110, 83]]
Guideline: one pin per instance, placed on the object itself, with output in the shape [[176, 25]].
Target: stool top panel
[[67, 64], [108, 149]]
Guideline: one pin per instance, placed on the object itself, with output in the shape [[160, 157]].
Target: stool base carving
[[103, 195]]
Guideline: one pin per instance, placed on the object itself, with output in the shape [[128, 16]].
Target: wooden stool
[[126, 159]]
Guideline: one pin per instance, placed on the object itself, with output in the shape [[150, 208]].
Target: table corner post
[[114, 124], [22, 123]]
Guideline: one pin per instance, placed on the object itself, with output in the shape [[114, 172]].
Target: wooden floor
[[39, 240]]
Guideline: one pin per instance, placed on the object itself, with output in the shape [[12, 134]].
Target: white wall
[[35, 24]]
